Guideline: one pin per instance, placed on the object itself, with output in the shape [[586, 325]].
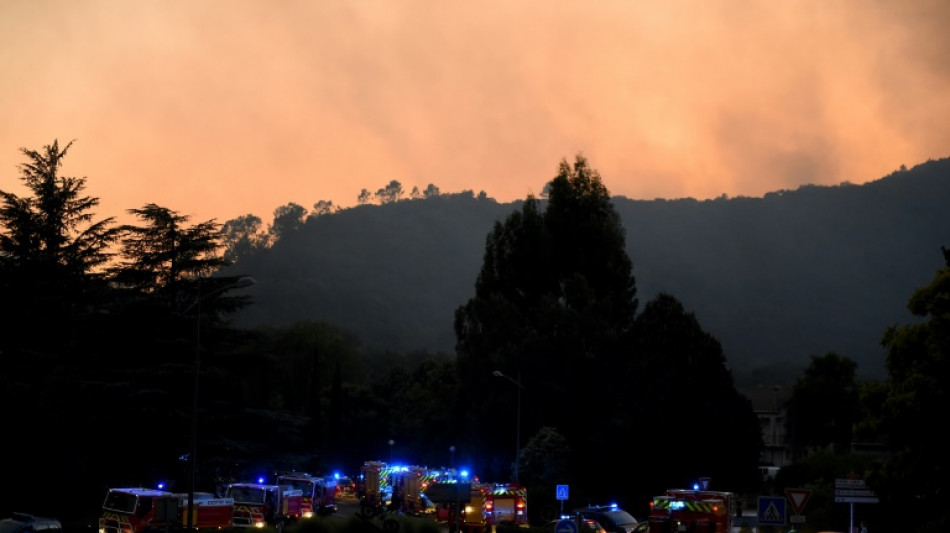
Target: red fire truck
[[375, 484], [210, 511], [319, 493], [257, 505], [485, 506], [136, 510], [396, 487], [696, 511], [506, 503]]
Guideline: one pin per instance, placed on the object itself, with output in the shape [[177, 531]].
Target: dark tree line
[[101, 332], [555, 308]]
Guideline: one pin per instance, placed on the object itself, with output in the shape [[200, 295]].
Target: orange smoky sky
[[221, 108]]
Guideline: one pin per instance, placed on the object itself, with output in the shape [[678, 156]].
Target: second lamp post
[[517, 382]]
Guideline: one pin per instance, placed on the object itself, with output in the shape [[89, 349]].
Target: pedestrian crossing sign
[[771, 511]]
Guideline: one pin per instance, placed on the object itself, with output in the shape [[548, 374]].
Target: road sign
[[797, 498], [704, 483], [562, 492], [853, 491], [565, 526], [771, 511]]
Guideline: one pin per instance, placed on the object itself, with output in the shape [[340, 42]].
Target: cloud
[[223, 108]]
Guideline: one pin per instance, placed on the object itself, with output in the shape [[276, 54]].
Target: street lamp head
[[498, 374]]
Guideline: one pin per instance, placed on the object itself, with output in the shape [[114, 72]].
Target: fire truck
[[407, 485], [137, 510], [257, 505], [488, 505], [375, 483], [693, 511], [398, 487], [319, 493], [210, 511], [506, 503]]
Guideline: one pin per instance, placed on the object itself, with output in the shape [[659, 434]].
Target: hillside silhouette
[[775, 279]]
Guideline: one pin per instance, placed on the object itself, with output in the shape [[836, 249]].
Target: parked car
[[611, 517], [588, 526], [27, 523]]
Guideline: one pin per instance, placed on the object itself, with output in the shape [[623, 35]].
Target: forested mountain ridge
[[775, 279]]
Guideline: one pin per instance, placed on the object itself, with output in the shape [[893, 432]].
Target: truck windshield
[[246, 494], [122, 502], [303, 485]]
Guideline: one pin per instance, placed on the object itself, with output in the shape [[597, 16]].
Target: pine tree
[[51, 251]]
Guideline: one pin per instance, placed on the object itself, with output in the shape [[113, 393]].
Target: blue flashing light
[[677, 505], [463, 473], [336, 475], [614, 506], [161, 486], [260, 480], [695, 486]]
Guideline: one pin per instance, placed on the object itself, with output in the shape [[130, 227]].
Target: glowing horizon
[[219, 109]]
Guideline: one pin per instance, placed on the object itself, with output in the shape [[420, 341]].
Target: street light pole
[[241, 282], [517, 382], [391, 442]]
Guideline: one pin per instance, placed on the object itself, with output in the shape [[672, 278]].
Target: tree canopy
[[51, 249], [555, 311], [916, 395]]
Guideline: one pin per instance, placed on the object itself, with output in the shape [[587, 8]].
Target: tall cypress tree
[[554, 307]]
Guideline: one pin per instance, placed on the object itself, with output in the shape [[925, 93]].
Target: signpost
[[797, 498], [771, 511], [561, 493], [852, 491]]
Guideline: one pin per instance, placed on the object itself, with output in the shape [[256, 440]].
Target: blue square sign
[[562, 492], [771, 511]]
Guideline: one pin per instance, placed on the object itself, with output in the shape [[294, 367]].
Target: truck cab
[[137, 509], [257, 505], [319, 493]]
